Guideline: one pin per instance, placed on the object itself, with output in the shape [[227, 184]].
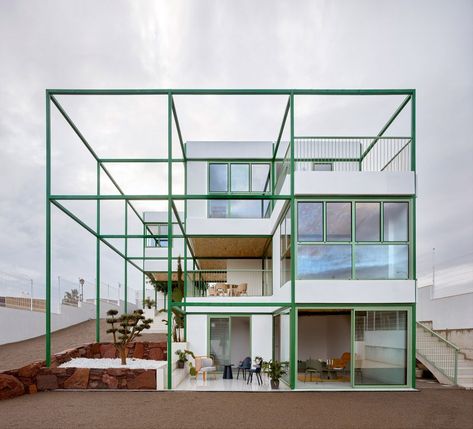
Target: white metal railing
[[231, 283], [438, 351]]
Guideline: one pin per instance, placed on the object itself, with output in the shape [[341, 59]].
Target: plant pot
[[180, 364], [419, 372], [274, 384]]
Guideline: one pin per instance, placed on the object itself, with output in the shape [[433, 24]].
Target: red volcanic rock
[[145, 380], [108, 351], [10, 387], [156, 353], [30, 370], [78, 380], [111, 382], [139, 351], [46, 382]]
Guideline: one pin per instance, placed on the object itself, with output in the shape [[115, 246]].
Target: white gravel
[[113, 363]]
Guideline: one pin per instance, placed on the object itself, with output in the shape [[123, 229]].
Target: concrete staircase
[[443, 358]]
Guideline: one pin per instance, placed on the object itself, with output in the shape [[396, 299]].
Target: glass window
[[218, 208], [246, 209], [338, 221], [240, 177], [323, 167], [381, 261], [309, 222], [260, 178], [220, 341], [367, 222], [395, 221], [381, 347], [157, 229], [325, 261], [218, 178]]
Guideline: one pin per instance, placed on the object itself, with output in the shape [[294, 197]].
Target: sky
[[426, 45]]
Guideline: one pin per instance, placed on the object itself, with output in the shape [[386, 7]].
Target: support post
[[48, 230], [125, 299], [97, 263], [293, 319], [169, 344]]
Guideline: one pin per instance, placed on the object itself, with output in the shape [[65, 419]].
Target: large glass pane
[[282, 336], [220, 341], [260, 179], [246, 209], [381, 347], [378, 261], [395, 221], [367, 222], [309, 222], [218, 208], [325, 261], [338, 221], [218, 178], [240, 177]]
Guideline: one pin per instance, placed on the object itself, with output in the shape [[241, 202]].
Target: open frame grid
[[170, 198]]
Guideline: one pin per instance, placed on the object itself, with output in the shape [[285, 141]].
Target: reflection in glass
[[338, 221], [282, 336], [367, 222], [309, 222], [220, 341], [395, 221], [381, 347], [377, 261], [218, 180], [326, 261], [218, 208], [260, 179], [240, 177], [246, 208]]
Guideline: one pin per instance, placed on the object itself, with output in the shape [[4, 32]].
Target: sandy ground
[[428, 408], [16, 355]]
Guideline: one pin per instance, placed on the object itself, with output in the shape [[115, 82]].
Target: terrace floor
[[218, 384]]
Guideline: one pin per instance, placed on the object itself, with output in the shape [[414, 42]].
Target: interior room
[[324, 349]]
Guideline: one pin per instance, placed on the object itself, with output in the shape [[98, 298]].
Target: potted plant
[[182, 359], [275, 371]]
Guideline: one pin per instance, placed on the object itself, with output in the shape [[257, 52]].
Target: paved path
[[430, 408], [16, 355]]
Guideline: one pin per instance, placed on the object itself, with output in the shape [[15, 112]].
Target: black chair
[[256, 370], [244, 366]]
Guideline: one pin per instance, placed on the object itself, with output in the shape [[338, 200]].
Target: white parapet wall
[[24, 324]]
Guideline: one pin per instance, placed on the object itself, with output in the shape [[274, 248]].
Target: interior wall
[[262, 336], [240, 339], [323, 336], [247, 271]]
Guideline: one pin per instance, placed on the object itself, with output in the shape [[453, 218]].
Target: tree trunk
[[123, 353]]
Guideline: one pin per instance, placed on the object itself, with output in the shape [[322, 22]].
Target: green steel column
[[185, 243], [293, 325], [414, 226], [97, 263], [169, 345], [48, 229], [144, 262], [125, 303]]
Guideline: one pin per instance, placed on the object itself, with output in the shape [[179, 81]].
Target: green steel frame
[[170, 198]]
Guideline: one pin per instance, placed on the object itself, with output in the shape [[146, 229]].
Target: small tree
[[71, 297], [125, 329]]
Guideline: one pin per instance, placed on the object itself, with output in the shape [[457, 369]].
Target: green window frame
[[157, 242], [359, 244]]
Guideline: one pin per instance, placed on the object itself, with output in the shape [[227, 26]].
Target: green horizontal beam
[[230, 304], [174, 197], [349, 137], [58, 91], [139, 160]]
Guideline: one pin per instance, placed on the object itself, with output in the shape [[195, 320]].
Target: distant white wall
[[23, 324], [247, 271], [449, 312], [262, 336], [285, 337]]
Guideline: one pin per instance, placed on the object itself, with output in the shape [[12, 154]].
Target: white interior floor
[[324, 386], [218, 384]]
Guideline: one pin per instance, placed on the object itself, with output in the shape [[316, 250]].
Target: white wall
[[450, 312], [197, 333], [262, 336], [323, 337], [355, 291], [240, 337], [23, 324], [354, 183]]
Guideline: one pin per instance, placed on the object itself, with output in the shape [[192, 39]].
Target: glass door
[[219, 343]]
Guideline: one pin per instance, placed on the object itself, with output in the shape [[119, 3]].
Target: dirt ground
[[16, 355], [429, 408]]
